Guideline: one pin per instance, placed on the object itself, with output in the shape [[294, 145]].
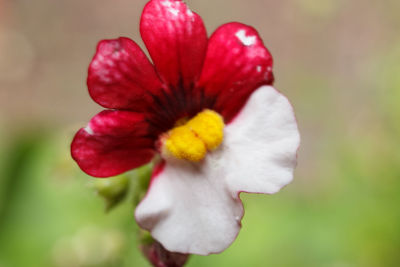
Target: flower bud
[[112, 190], [158, 255]]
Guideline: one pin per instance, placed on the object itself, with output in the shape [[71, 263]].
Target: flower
[[206, 107]]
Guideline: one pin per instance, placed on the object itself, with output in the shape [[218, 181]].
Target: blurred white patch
[[166, 3], [104, 75], [174, 11], [90, 246], [171, 9], [246, 40], [89, 130]]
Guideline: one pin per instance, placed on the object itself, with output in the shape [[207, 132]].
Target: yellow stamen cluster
[[192, 140]]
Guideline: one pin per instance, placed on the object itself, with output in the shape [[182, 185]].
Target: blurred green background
[[338, 61]]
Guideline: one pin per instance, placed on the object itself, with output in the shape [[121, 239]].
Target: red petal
[[237, 63], [176, 39], [120, 76], [112, 143]]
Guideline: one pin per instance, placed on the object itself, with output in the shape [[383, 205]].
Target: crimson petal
[[176, 39], [237, 62], [112, 143], [120, 76]]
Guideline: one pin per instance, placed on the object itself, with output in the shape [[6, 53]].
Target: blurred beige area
[[325, 54], [46, 46]]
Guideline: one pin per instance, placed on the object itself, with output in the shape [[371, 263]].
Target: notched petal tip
[[176, 39]]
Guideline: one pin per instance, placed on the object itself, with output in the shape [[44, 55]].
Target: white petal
[[190, 211], [260, 147], [194, 207]]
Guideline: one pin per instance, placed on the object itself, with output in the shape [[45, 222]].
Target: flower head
[[206, 107]]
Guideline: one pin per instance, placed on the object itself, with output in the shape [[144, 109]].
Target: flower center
[[192, 140]]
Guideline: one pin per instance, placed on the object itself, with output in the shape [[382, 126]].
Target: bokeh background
[[338, 61]]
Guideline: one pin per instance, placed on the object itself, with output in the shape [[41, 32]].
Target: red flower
[[179, 107], [192, 73]]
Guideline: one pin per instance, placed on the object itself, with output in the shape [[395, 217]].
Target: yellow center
[[192, 140]]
